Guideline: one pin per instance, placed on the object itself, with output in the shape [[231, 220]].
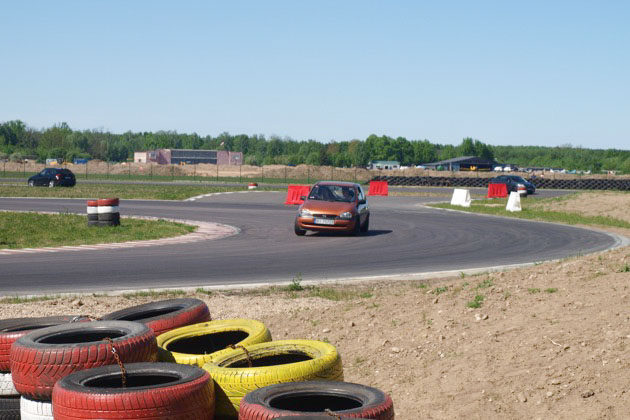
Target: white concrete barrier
[[461, 197], [514, 202]]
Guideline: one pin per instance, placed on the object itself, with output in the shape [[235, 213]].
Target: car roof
[[339, 183]]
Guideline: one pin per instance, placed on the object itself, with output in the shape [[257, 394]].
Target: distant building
[[465, 163], [384, 164], [189, 156]]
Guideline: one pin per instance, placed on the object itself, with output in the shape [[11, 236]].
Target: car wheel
[[31, 183], [357, 226], [51, 184], [366, 225], [297, 230]]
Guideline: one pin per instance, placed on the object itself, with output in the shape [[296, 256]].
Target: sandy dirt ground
[[547, 341]]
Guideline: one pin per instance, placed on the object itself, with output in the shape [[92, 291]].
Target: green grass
[[551, 290], [124, 191], [485, 284], [476, 302], [496, 207], [32, 230], [15, 300], [533, 290], [260, 177], [155, 294], [296, 284], [440, 290]]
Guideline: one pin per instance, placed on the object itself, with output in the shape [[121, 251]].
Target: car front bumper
[[308, 223]]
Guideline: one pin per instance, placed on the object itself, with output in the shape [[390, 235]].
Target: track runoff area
[[406, 240]]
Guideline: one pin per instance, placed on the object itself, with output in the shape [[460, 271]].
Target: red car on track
[[334, 206]]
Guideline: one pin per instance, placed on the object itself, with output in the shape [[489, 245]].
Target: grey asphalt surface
[[404, 238]]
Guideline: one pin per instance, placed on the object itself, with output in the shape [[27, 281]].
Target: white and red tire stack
[[108, 212]]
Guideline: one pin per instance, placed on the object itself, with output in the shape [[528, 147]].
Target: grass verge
[[32, 230], [496, 207], [124, 191]]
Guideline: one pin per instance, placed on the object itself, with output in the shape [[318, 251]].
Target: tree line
[[19, 141]]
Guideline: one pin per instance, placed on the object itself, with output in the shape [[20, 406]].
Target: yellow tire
[[272, 363], [200, 343]]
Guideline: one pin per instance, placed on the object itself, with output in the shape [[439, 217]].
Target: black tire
[[44, 356], [10, 408], [357, 226], [315, 398], [165, 315], [153, 390], [297, 230], [366, 226], [14, 328]]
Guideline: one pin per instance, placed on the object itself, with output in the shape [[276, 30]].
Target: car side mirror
[[362, 201], [302, 197]]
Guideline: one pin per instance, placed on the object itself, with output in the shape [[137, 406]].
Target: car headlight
[[346, 216], [305, 213]]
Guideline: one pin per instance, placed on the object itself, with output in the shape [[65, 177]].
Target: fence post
[[4, 168], [308, 174], [129, 170], [285, 174], [24, 168], [240, 173], [86, 170], [217, 170], [172, 172], [151, 170], [262, 174], [108, 169], [332, 172]]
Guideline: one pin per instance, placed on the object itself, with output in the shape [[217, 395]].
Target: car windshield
[[332, 193]]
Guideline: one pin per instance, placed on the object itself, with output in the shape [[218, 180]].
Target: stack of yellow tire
[[254, 361]]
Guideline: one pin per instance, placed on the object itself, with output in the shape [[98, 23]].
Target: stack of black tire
[[103, 212], [122, 366], [570, 184]]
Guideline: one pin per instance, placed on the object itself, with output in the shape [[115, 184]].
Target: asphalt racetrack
[[404, 238]]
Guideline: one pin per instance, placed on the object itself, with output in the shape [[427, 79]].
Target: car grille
[[325, 216]]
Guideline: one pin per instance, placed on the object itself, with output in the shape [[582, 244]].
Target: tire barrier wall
[[164, 315], [341, 399], [42, 357], [108, 212], [200, 343], [273, 362], [159, 391], [559, 184]]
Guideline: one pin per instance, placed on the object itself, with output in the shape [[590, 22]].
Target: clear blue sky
[[504, 72]]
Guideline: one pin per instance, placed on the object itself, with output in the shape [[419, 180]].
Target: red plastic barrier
[[294, 192], [497, 190], [378, 188]]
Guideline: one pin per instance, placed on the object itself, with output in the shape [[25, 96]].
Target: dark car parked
[[512, 182], [53, 177]]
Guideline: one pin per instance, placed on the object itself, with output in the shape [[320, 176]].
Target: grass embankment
[[125, 191], [187, 178], [533, 209], [32, 230]]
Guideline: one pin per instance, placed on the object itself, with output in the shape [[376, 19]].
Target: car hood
[[327, 207]]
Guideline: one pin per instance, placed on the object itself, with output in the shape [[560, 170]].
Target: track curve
[[404, 238]]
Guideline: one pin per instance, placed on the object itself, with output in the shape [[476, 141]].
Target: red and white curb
[[197, 197], [206, 231]]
